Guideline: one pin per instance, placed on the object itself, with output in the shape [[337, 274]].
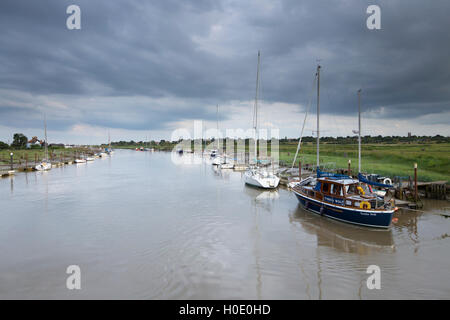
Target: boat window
[[326, 188], [351, 189], [332, 186], [338, 190]]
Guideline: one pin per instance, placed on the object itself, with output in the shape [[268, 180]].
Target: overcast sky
[[141, 69]]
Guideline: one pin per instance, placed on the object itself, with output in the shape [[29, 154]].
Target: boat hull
[[264, 183], [43, 167], [373, 219]]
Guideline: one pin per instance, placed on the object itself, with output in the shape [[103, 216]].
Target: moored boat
[[341, 197], [257, 176], [45, 164], [261, 178], [345, 199]]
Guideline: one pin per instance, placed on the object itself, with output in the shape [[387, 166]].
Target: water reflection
[[343, 237], [11, 178]]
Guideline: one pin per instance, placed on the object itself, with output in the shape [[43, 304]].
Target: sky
[[140, 70]]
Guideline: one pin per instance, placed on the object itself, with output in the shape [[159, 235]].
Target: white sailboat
[[109, 150], [256, 176], [45, 164], [218, 160]]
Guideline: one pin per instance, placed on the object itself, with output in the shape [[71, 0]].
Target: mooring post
[[12, 155], [26, 160], [35, 159], [416, 194], [349, 166]]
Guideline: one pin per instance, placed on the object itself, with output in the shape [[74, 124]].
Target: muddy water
[[139, 226]]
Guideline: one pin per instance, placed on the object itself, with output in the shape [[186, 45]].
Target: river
[[141, 227]]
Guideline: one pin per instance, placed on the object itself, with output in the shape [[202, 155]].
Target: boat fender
[[387, 181], [365, 205], [322, 209], [361, 191], [306, 204]]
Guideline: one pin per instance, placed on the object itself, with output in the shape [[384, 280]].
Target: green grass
[[386, 159], [21, 155]]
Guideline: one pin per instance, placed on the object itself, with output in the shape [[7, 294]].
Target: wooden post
[[26, 160], [416, 194], [349, 166], [12, 165], [35, 159]]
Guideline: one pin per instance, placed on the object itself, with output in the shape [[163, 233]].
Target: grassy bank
[[386, 159], [30, 156]]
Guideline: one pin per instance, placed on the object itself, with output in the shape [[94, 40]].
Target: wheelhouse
[[341, 192]]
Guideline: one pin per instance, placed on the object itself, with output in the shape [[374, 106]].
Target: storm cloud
[[144, 65]]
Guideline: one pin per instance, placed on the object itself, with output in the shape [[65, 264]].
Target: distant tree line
[[20, 141], [332, 140], [373, 139]]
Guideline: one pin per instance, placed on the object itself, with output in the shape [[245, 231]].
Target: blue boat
[[344, 199], [341, 197]]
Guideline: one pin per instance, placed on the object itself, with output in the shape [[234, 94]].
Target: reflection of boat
[[45, 164], [268, 195], [341, 197], [343, 237], [256, 176]]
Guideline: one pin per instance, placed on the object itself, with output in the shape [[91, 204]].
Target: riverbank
[[391, 160], [26, 158]]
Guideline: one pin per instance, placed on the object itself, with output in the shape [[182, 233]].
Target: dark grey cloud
[[153, 56]]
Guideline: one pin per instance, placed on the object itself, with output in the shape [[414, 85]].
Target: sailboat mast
[[359, 130], [255, 115], [45, 134], [318, 113], [217, 123]]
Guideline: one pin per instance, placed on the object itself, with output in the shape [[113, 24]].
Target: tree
[[19, 141], [3, 145]]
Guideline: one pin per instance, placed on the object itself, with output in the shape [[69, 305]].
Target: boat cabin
[[341, 192]]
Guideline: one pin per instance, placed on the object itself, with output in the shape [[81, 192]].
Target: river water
[[140, 226]]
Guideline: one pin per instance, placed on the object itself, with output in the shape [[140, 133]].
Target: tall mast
[[217, 120], [255, 114], [359, 130], [318, 113], [45, 134]]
